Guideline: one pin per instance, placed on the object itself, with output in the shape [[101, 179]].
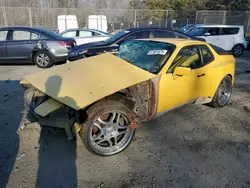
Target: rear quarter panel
[[222, 66], [56, 49]]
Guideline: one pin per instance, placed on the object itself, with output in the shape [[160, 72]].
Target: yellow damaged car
[[104, 97]]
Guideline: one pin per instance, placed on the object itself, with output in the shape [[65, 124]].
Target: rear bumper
[[60, 58], [74, 58]]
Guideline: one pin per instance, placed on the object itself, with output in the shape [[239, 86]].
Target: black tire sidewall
[[51, 61], [95, 111], [242, 49]]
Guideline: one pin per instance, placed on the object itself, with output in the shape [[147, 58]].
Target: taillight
[[65, 44]]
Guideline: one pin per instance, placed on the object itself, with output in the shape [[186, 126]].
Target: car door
[[212, 36], [3, 44], [21, 45], [178, 90]]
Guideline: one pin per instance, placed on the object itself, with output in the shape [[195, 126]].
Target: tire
[[221, 96], [238, 50], [43, 59], [103, 133]]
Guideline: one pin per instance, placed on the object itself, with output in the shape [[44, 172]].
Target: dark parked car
[[33, 45], [112, 44]]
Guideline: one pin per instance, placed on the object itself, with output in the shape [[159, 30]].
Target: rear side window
[[3, 35], [230, 31], [21, 35], [206, 54], [214, 31], [180, 36], [96, 34], [137, 35], [85, 33], [69, 34], [24, 35], [163, 34], [34, 36]]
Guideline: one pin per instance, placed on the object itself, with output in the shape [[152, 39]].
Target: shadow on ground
[[9, 123]]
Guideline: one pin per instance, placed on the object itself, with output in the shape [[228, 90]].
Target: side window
[[69, 34], [180, 36], [3, 35], [230, 31], [137, 35], [85, 33], [206, 54], [34, 36], [163, 34], [96, 34], [21, 35], [214, 31], [188, 56]]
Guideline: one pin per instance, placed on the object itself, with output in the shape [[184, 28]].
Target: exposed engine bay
[[141, 99]]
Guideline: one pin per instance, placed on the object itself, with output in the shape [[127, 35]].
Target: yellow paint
[[80, 83], [48, 107], [83, 82], [175, 91]]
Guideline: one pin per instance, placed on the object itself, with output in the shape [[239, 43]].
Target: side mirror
[[181, 71], [207, 34]]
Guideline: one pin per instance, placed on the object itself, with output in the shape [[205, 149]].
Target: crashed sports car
[[105, 97]]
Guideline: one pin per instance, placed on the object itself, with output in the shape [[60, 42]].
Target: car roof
[[220, 25], [175, 41], [79, 29], [28, 28], [149, 28]]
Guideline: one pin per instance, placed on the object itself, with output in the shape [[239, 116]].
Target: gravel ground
[[195, 146]]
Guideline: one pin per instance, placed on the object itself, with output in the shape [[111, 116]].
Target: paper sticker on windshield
[[157, 52]]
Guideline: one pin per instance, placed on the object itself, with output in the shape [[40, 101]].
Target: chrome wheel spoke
[[102, 122], [101, 141], [115, 140], [109, 133], [110, 142], [122, 132], [113, 117]]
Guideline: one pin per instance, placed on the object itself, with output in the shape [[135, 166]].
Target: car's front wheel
[[43, 59], [238, 50], [223, 92], [109, 128]]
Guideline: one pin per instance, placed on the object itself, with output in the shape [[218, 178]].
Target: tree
[[239, 5]]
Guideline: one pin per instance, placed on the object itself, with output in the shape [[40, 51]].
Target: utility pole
[[2, 4]]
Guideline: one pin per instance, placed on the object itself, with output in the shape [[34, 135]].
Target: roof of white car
[[219, 25]]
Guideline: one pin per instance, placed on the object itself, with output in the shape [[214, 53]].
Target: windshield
[[185, 28], [116, 36], [198, 31], [148, 55]]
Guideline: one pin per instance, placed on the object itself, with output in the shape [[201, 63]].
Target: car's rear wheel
[[43, 59], [223, 92], [238, 50], [108, 129]]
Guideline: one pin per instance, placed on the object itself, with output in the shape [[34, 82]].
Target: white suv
[[227, 37]]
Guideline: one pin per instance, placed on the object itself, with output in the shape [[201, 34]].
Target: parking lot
[[195, 146]]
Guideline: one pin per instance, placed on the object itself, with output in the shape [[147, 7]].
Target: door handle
[[200, 75]]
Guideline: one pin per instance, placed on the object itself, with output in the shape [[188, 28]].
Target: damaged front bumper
[[40, 108]]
